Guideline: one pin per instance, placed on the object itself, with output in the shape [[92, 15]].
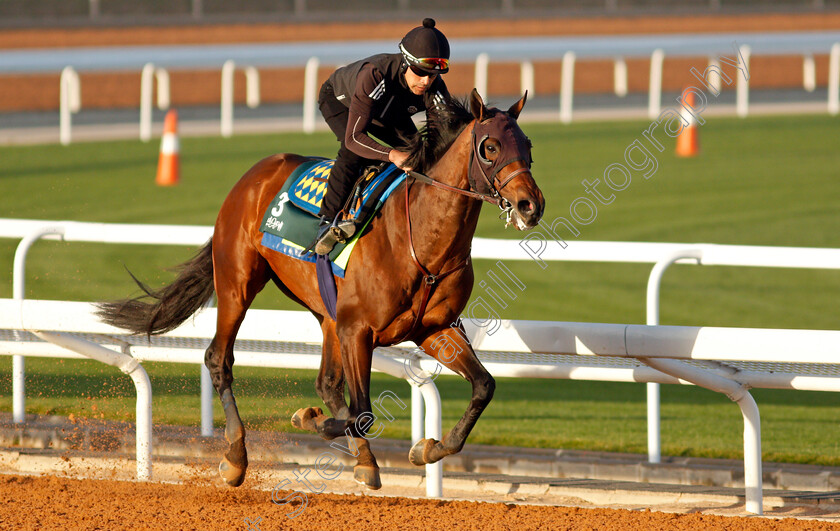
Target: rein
[[494, 197]]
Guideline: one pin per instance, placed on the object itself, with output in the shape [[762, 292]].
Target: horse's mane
[[442, 127]]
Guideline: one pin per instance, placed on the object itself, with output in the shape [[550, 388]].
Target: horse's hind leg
[[351, 358], [330, 388], [237, 283], [452, 350]]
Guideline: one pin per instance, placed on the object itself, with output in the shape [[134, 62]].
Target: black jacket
[[375, 91]]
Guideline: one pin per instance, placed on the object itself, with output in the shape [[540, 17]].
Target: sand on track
[[50, 502]]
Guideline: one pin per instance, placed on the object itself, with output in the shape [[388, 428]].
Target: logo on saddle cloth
[[291, 219], [308, 190]]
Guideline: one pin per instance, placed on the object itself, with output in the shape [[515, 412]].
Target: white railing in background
[[526, 79], [742, 86], [567, 87], [252, 91], [657, 60], [482, 65], [56, 322], [310, 94], [620, 77], [661, 347], [535, 246], [70, 102], [151, 73], [70, 85]]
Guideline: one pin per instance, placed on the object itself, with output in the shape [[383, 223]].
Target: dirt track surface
[[233, 33], [28, 502], [39, 92]]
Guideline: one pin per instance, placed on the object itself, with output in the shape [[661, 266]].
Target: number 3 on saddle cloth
[[290, 223]]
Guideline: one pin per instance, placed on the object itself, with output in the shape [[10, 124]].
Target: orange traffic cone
[[688, 142], [168, 165]]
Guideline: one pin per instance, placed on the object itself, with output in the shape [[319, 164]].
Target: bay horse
[[409, 277]]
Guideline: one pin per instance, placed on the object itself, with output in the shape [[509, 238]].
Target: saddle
[[290, 222]]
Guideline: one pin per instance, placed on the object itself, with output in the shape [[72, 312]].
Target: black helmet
[[426, 49]]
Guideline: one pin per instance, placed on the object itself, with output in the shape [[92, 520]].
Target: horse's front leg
[[357, 355], [450, 347]]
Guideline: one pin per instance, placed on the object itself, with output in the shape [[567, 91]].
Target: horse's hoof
[[419, 453], [368, 476], [232, 474], [303, 419]]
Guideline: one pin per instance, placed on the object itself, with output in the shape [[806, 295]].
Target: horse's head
[[500, 162]]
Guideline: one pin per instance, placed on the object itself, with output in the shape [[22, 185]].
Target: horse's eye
[[491, 148]]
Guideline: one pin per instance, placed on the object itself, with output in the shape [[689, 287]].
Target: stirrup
[[347, 227], [328, 236]]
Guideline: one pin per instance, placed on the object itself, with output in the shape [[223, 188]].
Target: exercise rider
[[377, 96]]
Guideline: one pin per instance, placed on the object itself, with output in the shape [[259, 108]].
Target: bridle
[[489, 192]]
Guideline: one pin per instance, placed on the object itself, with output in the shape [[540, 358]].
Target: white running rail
[[727, 377]]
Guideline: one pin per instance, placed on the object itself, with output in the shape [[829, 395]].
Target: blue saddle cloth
[[290, 222]]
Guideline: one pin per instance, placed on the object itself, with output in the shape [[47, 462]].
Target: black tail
[[171, 305]]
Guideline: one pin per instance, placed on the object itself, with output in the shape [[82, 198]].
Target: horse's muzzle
[[528, 211]]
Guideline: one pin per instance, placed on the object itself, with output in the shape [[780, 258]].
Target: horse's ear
[[516, 108], [477, 105]]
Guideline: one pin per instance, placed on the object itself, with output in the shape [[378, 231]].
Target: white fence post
[[252, 87], [163, 97], [310, 94], [655, 91], [834, 80], [714, 76], [130, 366], [742, 91], [206, 402], [652, 310], [620, 77], [481, 64], [19, 293], [227, 98], [739, 394], [417, 415], [70, 102], [526, 78], [809, 73], [567, 87]]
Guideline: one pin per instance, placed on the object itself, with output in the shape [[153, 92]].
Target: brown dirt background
[[39, 92], [62, 503], [49, 502]]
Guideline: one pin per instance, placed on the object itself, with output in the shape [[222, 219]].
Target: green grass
[[760, 181]]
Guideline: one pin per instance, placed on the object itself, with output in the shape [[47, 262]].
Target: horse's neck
[[443, 222]]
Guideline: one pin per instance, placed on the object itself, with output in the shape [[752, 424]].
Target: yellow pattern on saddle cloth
[[309, 189]]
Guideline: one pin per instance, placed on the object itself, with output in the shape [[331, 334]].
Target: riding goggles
[[431, 65]]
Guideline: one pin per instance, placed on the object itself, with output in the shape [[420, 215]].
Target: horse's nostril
[[526, 207]]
